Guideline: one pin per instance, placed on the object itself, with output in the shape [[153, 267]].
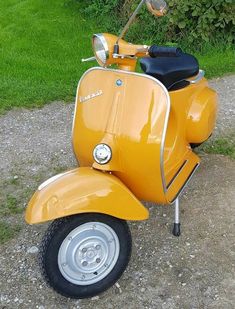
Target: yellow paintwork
[[202, 114], [188, 125], [130, 119], [125, 48], [84, 190], [149, 131]]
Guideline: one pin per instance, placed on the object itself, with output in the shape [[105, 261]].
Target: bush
[[187, 21], [203, 20]]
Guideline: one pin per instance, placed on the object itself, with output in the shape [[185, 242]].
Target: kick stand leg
[[176, 228]]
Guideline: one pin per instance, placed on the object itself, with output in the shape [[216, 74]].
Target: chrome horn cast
[[89, 253]]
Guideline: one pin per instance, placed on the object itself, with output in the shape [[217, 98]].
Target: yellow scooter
[[133, 136]]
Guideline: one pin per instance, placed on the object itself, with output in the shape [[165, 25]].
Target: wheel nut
[[84, 250], [84, 263], [97, 247], [98, 260]]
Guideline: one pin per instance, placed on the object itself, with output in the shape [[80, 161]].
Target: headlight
[[102, 154], [101, 49]]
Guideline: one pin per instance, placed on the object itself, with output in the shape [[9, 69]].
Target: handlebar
[[162, 51]]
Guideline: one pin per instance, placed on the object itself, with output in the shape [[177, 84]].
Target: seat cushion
[[171, 70]]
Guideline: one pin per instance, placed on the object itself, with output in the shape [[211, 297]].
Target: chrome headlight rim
[[103, 41], [109, 157]]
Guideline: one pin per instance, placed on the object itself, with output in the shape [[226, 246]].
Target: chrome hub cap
[[89, 253]]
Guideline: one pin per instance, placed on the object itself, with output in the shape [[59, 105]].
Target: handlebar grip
[[162, 51]]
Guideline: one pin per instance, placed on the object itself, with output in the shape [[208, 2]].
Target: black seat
[[171, 71]]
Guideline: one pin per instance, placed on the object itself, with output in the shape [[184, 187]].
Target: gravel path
[[195, 271], [226, 117]]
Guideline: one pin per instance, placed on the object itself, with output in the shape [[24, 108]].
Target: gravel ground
[[196, 270], [226, 117]]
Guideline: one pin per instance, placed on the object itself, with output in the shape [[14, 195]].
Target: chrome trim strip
[[52, 179], [186, 183], [197, 79], [166, 117]]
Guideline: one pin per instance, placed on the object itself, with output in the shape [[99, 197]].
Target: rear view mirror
[[157, 7]]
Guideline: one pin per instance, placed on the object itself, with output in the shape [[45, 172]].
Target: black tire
[[195, 145], [54, 237]]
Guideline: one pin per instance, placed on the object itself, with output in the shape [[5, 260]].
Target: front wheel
[[83, 255]]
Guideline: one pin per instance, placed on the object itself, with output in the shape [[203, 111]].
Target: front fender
[[83, 190]]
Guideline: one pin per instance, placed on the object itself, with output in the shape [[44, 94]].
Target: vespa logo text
[[91, 96]]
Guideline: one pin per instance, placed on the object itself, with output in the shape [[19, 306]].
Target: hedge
[[191, 21]]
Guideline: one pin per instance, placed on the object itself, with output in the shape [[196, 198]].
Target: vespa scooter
[[133, 136]]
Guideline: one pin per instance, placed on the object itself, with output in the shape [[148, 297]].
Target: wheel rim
[[88, 253]]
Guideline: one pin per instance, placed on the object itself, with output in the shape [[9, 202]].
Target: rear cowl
[[202, 116]]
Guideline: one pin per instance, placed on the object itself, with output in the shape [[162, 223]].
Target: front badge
[[91, 96], [119, 82]]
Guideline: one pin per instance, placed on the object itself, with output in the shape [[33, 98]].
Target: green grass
[[10, 206], [41, 46], [224, 146], [216, 60], [7, 231]]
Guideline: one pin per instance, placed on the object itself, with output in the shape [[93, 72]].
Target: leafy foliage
[[203, 20], [190, 21]]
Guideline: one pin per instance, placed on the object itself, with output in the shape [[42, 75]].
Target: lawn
[[41, 46]]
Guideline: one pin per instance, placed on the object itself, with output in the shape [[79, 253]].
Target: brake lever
[[89, 59]]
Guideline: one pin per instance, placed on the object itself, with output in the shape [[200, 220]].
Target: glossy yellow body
[[84, 190], [130, 119], [149, 131]]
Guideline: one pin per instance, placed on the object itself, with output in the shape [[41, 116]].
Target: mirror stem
[[133, 16]]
